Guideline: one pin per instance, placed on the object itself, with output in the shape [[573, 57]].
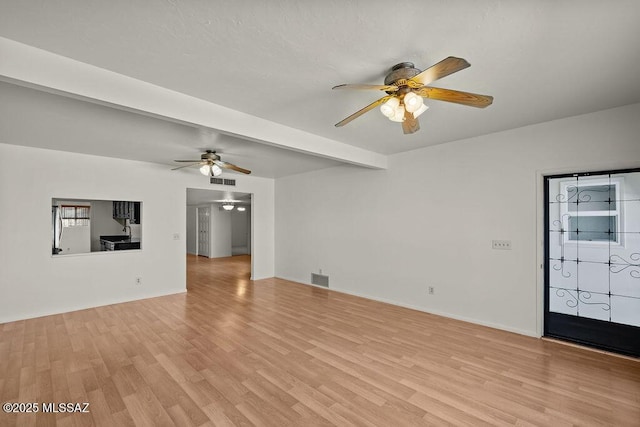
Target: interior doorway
[[219, 224], [592, 259]]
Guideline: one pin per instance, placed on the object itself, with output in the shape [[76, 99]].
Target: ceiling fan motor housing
[[210, 155], [401, 71]]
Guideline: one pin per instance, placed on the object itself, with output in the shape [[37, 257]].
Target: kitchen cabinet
[[127, 210]]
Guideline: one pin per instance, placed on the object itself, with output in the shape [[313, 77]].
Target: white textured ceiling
[[278, 59]]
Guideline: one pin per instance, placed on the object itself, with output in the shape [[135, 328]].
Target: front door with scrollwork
[[592, 259]]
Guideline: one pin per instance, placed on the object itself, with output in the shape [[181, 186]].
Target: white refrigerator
[[71, 227]]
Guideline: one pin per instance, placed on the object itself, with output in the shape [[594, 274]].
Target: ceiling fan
[[211, 165], [406, 86]]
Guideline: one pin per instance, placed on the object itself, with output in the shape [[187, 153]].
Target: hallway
[[201, 271]]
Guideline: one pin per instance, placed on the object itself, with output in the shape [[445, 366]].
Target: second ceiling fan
[[406, 86], [211, 164]]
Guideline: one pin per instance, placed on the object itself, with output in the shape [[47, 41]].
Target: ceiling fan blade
[[358, 113], [442, 69], [188, 161], [386, 88], [231, 166], [456, 96], [410, 123], [186, 166]]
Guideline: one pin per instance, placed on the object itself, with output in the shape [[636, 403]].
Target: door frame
[[542, 226], [540, 175], [252, 220]]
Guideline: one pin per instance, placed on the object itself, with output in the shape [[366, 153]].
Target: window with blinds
[[74, 215]]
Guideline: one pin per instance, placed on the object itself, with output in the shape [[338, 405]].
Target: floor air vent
[[320, 280]]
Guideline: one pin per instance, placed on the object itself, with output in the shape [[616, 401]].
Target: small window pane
[[82, 212], [73, 216], [593, 228]]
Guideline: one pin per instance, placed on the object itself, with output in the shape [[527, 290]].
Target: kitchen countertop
[[120, 238], [119, 242]]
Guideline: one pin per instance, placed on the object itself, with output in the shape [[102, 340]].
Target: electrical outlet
[[138, 280], [501, 244], [431, 290]]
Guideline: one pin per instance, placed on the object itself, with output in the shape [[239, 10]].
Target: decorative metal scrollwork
[[618, 264], [562, 293], [580, 196], [580, 296], [560, 268], [560, 222]]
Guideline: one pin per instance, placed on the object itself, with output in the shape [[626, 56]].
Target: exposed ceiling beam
[[26, 65]]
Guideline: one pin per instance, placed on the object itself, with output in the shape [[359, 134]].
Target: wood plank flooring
[[232, 352]]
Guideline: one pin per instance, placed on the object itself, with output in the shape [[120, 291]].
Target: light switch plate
[[501, 244]]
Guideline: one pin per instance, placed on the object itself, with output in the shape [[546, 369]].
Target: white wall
[[429, 219], [192, 232], [240, 231], [33, 283], [220, 232]]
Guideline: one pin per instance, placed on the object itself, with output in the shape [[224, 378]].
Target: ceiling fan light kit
[[422, 109], [398, 114], [210, 170], [211, 165], [412, 102], [389, 108], [406, 88], [227, 206]]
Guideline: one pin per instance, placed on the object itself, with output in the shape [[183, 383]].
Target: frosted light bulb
[[205, 170], [420, 110], [412, 102], [215, 170], [389, 107], [398, 115]]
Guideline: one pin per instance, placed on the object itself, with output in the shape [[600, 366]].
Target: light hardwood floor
[[235, 352]]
